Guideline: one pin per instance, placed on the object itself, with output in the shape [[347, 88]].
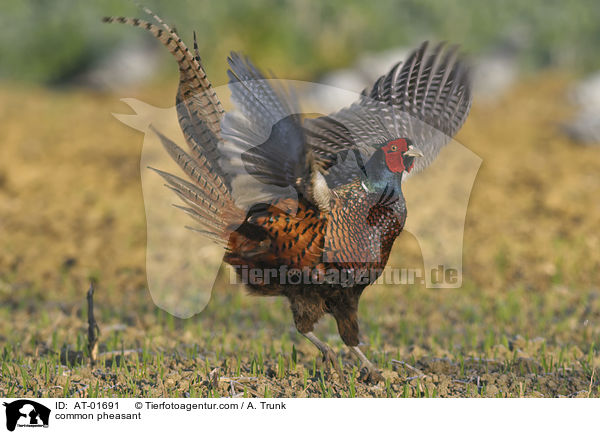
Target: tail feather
[[199, 169], [188, 190], [198, 106], [193, 80], [217, 215], [217, 238], [207, 197], [197, 214]]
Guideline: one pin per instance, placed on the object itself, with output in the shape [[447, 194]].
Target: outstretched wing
[[426, 99], [266, 132]]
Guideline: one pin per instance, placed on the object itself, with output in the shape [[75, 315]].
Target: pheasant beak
[[413, 151]]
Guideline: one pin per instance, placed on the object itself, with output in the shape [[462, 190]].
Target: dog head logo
[[26, 413]]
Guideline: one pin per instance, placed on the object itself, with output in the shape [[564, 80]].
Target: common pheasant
[[329, 235]]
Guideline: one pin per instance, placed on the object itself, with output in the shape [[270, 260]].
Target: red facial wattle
[[394, 155]]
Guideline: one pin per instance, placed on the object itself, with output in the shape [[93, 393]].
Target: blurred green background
[[51, 41]]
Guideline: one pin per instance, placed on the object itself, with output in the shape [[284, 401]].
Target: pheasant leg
[[329, 356]]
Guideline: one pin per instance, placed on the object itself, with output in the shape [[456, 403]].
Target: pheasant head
[[384, 171]]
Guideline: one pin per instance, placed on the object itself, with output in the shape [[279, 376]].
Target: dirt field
[[525, 323]]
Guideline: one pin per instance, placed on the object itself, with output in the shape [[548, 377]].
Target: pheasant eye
[[394, 148]]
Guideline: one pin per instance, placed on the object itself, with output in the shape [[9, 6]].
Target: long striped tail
[[207, 199], [198, 107], [208, 196]]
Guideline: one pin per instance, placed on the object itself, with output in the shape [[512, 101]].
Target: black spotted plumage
[[283, 193]]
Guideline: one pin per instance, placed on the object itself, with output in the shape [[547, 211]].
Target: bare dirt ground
[[525, 323]]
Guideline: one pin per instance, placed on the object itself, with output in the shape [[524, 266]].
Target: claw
[[372, 374]]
